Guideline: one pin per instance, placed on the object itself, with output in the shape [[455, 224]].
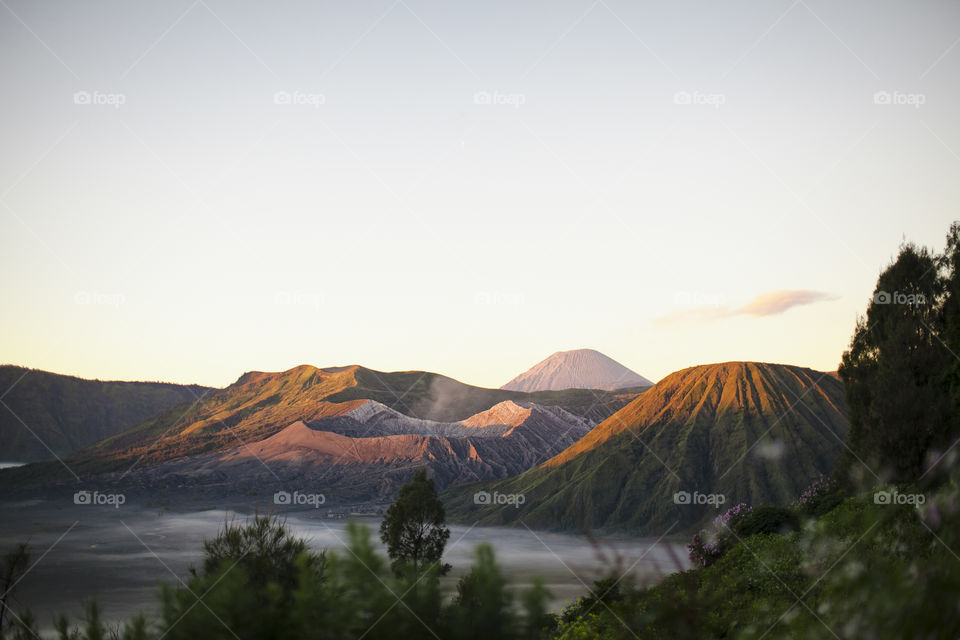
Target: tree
[[249, 581], [413, 528], [15, 564], [482, 606], [949, 263], [265, 548], [894, 373]]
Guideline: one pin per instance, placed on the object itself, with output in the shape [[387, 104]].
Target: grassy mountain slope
[[754, 432], [66, 413]]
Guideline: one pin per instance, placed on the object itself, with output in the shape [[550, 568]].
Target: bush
[[264, 547], [820, 498], [709, 545], [768, 519], [863, 570]]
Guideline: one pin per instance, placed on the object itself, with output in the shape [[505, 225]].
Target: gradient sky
[[671, 183]]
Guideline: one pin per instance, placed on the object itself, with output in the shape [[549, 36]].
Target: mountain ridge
[[361, 455], [260, 404], [51, 414]]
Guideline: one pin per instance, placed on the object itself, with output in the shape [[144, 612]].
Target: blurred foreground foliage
[[864, 569], [258, 581]]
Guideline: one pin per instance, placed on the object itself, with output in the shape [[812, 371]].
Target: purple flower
[[708, 545], [821, 486]]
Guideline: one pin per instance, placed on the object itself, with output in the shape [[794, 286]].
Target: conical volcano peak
[[577, 369]]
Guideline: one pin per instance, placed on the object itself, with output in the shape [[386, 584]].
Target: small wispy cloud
[[774, 303], [771, 303]]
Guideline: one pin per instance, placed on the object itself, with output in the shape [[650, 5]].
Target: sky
[[194, 189]]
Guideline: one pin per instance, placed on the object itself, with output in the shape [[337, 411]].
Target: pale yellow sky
[[191, 191]]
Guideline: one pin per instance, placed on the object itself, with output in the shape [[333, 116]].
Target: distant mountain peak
[[576, 369]]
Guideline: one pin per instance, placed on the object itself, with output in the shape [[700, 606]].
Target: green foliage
[[895, 371], [768, 519], [62, 625], [265, 550], [482, 606], [820, 498], [413, 527], [94, 627], [23, 628], [136, 629], [247, 581], [485, 608], [537, 620], [949, 263], [708, 545], [15, 563], [243, 591], [862, 570], [757, 580], [605, 592]]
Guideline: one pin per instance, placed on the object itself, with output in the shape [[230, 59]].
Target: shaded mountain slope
[[49, 413]]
